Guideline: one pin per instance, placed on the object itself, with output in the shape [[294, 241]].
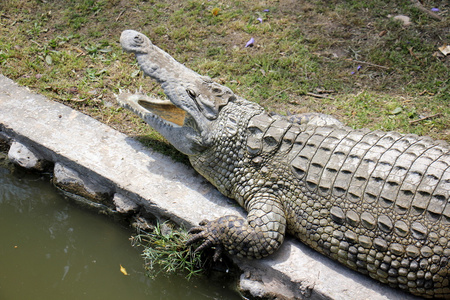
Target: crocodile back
[[401, 175], [375, 201]]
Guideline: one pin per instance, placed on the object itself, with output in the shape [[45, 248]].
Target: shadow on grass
[[163, 147]]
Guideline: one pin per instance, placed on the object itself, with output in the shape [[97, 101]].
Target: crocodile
[[374, 201]]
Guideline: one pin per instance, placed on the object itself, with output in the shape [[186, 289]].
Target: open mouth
[[164, 109]]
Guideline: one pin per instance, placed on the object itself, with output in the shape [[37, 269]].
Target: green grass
[[70, 52], [164, 251]]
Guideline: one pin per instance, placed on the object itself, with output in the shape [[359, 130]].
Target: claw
[[217, 252], [207, 243], [203, 223], [197, 229], [194, 238], [202, 232]]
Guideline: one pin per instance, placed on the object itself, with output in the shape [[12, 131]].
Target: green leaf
[[396, 111]]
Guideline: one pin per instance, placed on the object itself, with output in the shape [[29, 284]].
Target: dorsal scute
[[273, 136], [256, 129], [405, 173]]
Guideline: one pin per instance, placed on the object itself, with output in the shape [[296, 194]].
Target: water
[[52, 249]]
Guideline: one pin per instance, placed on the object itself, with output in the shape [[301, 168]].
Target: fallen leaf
[[382, 33], [404, 19], [123, 270], [135, 73], [48, 60], [215, 11], [445, 49]]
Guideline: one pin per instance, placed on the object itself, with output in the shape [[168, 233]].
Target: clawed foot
[[233, 235], [206, 233]]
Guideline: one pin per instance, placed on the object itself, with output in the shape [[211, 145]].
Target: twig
[[120, 14], [425, 91], [368, 63], [325, 91], [33, 41], [319, 96], [412, 53], [420, 7], [425, 118]]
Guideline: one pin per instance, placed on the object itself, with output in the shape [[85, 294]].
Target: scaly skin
[[376, 202]]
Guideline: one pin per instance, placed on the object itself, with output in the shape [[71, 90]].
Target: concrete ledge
[[138, 177]]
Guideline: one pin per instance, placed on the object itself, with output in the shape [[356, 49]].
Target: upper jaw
[[155, 62], [175, 78], [197, 95]]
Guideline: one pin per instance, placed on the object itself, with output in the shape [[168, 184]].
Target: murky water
[[52, 249]]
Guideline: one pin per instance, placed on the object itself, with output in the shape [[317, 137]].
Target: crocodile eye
[[191, 94]]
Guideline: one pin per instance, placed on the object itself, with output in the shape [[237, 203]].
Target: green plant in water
[[166, 251]]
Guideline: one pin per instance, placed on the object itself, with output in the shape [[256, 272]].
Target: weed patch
[[165, 250]]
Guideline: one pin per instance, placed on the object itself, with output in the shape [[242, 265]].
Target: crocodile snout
[[135, 42]]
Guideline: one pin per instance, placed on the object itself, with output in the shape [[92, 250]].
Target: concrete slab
[[169, 189]]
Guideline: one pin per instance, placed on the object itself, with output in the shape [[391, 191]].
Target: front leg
[[255, 237]]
